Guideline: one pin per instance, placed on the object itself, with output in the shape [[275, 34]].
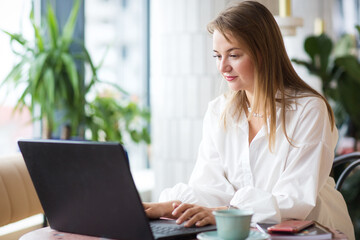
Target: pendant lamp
[[286, 22]]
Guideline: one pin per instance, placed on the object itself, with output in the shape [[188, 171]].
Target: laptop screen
[[86, 188]]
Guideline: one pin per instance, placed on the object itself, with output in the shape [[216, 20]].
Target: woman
[[268, 145]]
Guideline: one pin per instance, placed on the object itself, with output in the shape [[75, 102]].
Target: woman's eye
[[233, 55], [217, 56]]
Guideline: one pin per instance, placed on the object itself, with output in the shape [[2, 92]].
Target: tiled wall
[[183, 80]]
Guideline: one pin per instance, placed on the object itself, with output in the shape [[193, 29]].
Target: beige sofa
[[18, 198]]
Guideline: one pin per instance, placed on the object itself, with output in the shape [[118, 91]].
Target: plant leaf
[[70, 25], [88, 59], [17, 37], [53, 25], [36, 70], [21, 100], [350, 98], [311, 68], [16, 73], [350, 65], [310, 46], [344, 45], [50, 85], [38, 37], [357, 27], [319, 49], [72, 73]]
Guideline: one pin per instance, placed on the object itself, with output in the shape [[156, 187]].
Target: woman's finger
[[188, 214], [180, 209], [176, 204], [195, 218], [205, 221]]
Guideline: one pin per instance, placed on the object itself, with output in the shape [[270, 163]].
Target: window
[[119, 29], [14, 17]]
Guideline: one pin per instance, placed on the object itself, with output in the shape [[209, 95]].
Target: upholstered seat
[[18, 199]]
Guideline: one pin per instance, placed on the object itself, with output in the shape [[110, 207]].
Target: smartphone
[[290, 226]]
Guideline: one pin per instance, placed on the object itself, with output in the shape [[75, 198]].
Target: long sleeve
[[208, 185], [303, 172]]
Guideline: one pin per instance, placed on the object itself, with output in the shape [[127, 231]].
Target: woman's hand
[[162, 209], [193, 215]]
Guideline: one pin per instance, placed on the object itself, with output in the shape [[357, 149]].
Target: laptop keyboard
[[160, 229]]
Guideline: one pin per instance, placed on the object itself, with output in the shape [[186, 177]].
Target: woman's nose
[[224, 66]]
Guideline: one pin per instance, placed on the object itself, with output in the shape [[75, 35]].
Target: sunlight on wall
[[14, 18]]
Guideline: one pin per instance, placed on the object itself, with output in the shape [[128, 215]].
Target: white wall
[[184, 78]]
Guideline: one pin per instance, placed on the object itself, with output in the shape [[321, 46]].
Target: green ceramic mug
[[233, 223]]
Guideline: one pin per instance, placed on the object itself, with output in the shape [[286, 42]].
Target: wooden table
[[50, 234]]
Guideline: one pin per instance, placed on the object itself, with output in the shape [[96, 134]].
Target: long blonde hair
[[252, 23]]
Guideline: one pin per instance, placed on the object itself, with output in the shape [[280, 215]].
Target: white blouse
[[289, 182]]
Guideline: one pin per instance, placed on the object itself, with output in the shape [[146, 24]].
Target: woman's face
[[233, 62]]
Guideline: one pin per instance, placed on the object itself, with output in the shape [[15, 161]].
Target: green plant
[[109, 117], [48, 73], [47, 70], [339, 71]]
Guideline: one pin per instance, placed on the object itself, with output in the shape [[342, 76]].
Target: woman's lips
[[230, 78]]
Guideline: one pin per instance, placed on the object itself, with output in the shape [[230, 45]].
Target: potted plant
[[109, 116], [47, 71], [339, 70]]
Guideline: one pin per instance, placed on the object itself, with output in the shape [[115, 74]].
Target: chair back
[[350, 190], [352, 159]]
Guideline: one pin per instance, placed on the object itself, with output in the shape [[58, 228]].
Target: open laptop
[[87, 188]]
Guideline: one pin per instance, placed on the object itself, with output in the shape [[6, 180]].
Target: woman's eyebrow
[[229, 50]]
